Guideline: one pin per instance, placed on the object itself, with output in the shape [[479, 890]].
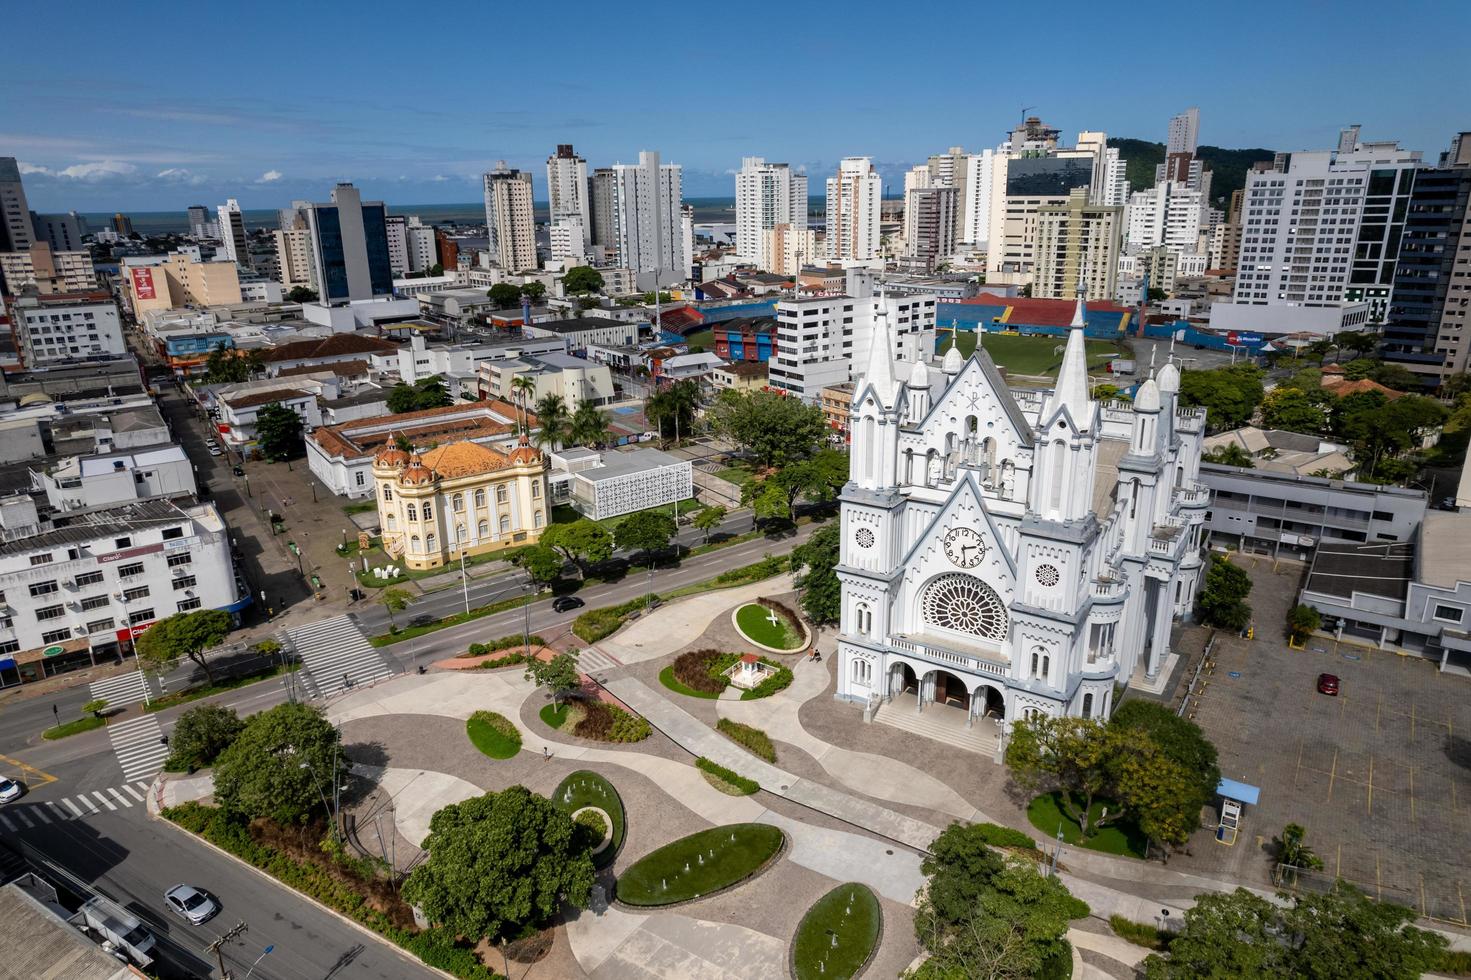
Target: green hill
[[1228, 167]]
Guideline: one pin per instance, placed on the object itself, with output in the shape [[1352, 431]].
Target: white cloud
[[181, 175], [31, 168], [269, 177], [93, 170]]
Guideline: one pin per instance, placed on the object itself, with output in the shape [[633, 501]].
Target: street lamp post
[[316, 781]]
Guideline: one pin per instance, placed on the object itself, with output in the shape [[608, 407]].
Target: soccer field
[[1028, 355]]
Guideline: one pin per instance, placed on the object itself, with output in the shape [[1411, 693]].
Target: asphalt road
[[133, 860]]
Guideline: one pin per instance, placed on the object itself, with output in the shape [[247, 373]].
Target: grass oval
[[753, 621], [857, 933], [493, 734], [587, 788], [739, 851]]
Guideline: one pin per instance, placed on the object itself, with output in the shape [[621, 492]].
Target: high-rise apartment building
[[67, 328], [952, 169], [929, 225], [568, 191], [398, 245], [199, 221], [234, 242], [350, 247], [1426, 329], [854, 202], [1077, 244], [122, 224], [767, 195], [975, 204], [48, 270], [16, 233], [1115, 184], [566, 238], [420, 243], [1184, 132], [790, 248], [601, 196], [294, 248], [509, 220], [649, 233], [1169, 213], [63, 232]]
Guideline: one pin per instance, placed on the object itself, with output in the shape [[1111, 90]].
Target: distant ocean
[[707, 210]]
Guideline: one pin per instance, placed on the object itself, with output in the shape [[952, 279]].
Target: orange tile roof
[[334, 346], [1339, 389], [343, 369], [251, 399], [463, 459], [419, 428]]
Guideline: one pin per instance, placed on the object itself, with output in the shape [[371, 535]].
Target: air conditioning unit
[[118, 596]]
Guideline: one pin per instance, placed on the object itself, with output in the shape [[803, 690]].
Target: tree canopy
[[1229, 455], [1342, 933], [499, 862], [1292, 409], [301, 294], [185, 634], [820, 592], [226, 364], [504, 295], [779, 430], [582, 279], [709, 518], [672, 408], [278, 432], [583, 542], [430, 392], [558, 675], [1229, 394], [1222, 597], [588, 426], [647, 530], [281, 765], [552, 421], [542, 563], [201, 734]]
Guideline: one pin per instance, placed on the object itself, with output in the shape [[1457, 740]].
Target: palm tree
[[588, 426], [523, 387], [673, 408], [552, 420]]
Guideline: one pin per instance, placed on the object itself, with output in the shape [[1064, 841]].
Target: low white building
[[80, 588], [423, 360], [574, 379], [240, 412], [1273, 320], [110, 479], [582, 331], [67, 327], [602, 485], [685, 367]]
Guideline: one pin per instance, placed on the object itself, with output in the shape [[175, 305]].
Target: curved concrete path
[[872, 775], [618, 945], [417, 795], [677, 623]]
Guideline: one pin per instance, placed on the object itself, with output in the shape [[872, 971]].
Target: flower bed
[[603, 722], [700, 864], [726, 780], [493, 734], [702, 674], [838, 935], [586, 788], [754, 740]]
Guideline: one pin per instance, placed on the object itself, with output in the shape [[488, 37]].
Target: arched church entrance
[[944, 689], [988, 702], [903, 681]]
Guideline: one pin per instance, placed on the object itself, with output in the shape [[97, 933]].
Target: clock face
[[864, 538], [964, 547]]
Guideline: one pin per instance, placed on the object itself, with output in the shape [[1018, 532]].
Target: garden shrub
[[594, 624], [999, 836], [757, 742], [773, 683], [505, 643], [697, 670], [596, 826], [604, 722], [746, 786]]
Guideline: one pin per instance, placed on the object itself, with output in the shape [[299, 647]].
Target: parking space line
[[1369, 800], [1424, 905], [1412, 721], [1378, 880], [1298, 771], [1462, 899], [1332, 775], [1338, 862], [1412, 794], [1378, 709]]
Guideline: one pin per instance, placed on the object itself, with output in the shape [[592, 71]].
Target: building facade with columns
[[463, 498], [1006, 555]]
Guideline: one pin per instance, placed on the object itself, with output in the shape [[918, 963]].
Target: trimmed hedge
[[1140, 933], [435, 947], [604, 722], [594, 624], [504, 643], [999, 836], [746, 786], [776, 682], [753, 740]]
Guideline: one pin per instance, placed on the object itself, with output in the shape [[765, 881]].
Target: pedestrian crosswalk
[[27, 815], [139, 747], [594, 659], [122, 690], [337, 655]]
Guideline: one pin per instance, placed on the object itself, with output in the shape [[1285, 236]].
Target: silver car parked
[[194, 904]]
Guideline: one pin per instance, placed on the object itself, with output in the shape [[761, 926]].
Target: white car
[[10, 790], [215, 451], [192, 903]]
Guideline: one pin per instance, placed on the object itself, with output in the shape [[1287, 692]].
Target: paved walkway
[[417, 795], [618, 945], [1113, 947], [675, 624]]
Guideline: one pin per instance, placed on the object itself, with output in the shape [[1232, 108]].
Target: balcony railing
[[1109, 590], [947, 657]]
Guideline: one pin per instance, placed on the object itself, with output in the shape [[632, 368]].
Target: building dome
[[391, 457], [1169, 379], [1147, 398], [525, 453], [953, 361], [417, 474], [920, 376]]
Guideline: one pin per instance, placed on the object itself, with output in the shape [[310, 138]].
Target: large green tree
[[582, 279], [185, 634], [588, 426], [672, 409], [1338, 934], [583, 542], [278, 432], [201, 734], [504, 295], [647, 530], [226, 365], [1222, 598], [430, 392], [1228, 394], [552, 421], [281, 765], [821, 594], [301, 294], [1293, 410], [500, 862], [708, 519], [779, 430], [1079, 756], [1181, 740], [542, 563], [535, 290]]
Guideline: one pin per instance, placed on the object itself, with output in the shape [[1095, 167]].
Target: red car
[[1328, 684]]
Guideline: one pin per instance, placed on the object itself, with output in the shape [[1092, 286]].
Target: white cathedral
[[1008, 554]]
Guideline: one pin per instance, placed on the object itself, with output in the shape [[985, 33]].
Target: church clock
[[964, 547]]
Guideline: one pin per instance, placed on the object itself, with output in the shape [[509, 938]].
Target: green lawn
[[849, 914], [1027, 355], [493, 734], [701, 340], [738, 473], [409, 632], [1117, 838], [554, 715], [586, 788], [74, 727], [754, 621], [206, 690], [360, 507], [716, 858], [667, 678]]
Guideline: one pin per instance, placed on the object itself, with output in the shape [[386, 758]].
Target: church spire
[[1072, 380], [879, 372]]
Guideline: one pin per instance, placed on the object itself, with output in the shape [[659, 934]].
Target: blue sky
[[169, 104]]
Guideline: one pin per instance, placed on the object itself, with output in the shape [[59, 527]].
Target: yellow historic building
[[463, 498]]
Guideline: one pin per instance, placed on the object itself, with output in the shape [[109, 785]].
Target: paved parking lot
[[1379, 775]]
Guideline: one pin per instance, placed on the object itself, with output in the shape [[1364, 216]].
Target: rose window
[[1048, 575], [964, 604]]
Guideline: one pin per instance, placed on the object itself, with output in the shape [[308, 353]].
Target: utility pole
[[464, 582], [215, 947]]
